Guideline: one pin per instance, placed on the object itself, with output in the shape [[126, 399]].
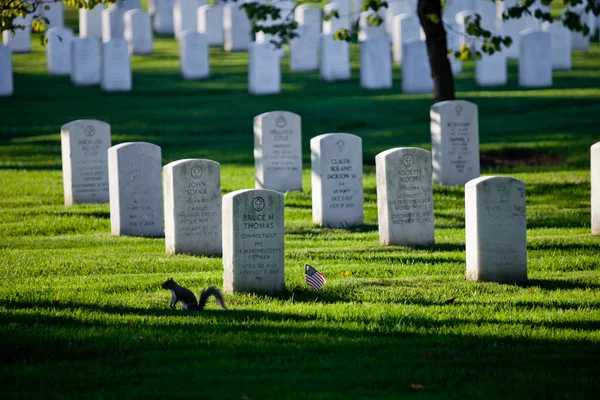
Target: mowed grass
[[82, 313]]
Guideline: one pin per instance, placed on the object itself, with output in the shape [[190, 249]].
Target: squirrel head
[[169, 283]]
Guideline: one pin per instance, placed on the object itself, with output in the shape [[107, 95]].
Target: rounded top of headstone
[[130, 145], [532, 32], [255, 193], [89, 126], [196, 165], [330, 7], [281, 118], [335, 136], [415, 152], [404, 16], [494, 180], [596, 146], [133, 12], [457, 105], [308, 6], [59, 30]]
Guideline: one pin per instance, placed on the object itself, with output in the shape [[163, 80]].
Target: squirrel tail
[[211, 291]]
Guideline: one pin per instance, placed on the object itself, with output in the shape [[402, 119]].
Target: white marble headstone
[[406, 28], [58, 50], [395, 8], [405, 197], [116, 67], [6, 75], [20, 42], [343, 9], [54, 12], [309, 14], [535, 59], [366, 29], [491, 70], [595, 183], [236, 28], [138, 32], [193, 55], [304, 49], [264, 69], [337, 180], [560, 39], [85, 61], [278, 151], [253, 241], [496, 230], [454, 142], [453, 7], [185, 15], [90, 21], [192, 190], [510, 27], [136, 193], [335, 59], [112, 23], [163, 17], [334, 24], [375, 63], [416, 72], [84, 145], [210, 22]]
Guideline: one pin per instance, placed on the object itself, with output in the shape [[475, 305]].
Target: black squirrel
[[187, 298]]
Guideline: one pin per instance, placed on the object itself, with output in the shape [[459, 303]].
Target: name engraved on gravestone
[[192, 190], [278, 151], [253, 241], [6, 75], [84, 146], [454, 142], [405, 197], [85, 61], [496, 229], [337, 180], [136, 197]]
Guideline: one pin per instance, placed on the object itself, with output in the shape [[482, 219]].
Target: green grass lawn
[[82, 313]]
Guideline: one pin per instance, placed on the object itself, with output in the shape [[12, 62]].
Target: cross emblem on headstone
[[458, 109], [340, 145]]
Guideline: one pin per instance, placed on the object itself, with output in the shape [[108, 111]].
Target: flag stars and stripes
[[314, 278]]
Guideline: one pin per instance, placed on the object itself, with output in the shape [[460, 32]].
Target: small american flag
[[314, 278]]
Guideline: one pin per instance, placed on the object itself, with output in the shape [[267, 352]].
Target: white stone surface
[[210, 22], [112, 23], [337, 180], [85, 61], [453, 43], [496, 230], [309, 14], [560, 40], [192, 190], [535, 59], [595, 183], [487, 10], [375, 63], [395, 8], [510, 27], [138, 32], [333, 24], [127, 5], [84, 145], [264, 69], [253, 241], [334, 63], [194, 57], [491, 70], [21, 41], [185, 15], [453, 7], [236, 28], [464, 39], [116, 67], [54, 13], [58, 51], [136, 195], [6, 74], [90, 21], [405, 197], [163, 17], [416, 72], [366, 29], [406, 28], [278, 151], [454, 142], [343, 8]]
